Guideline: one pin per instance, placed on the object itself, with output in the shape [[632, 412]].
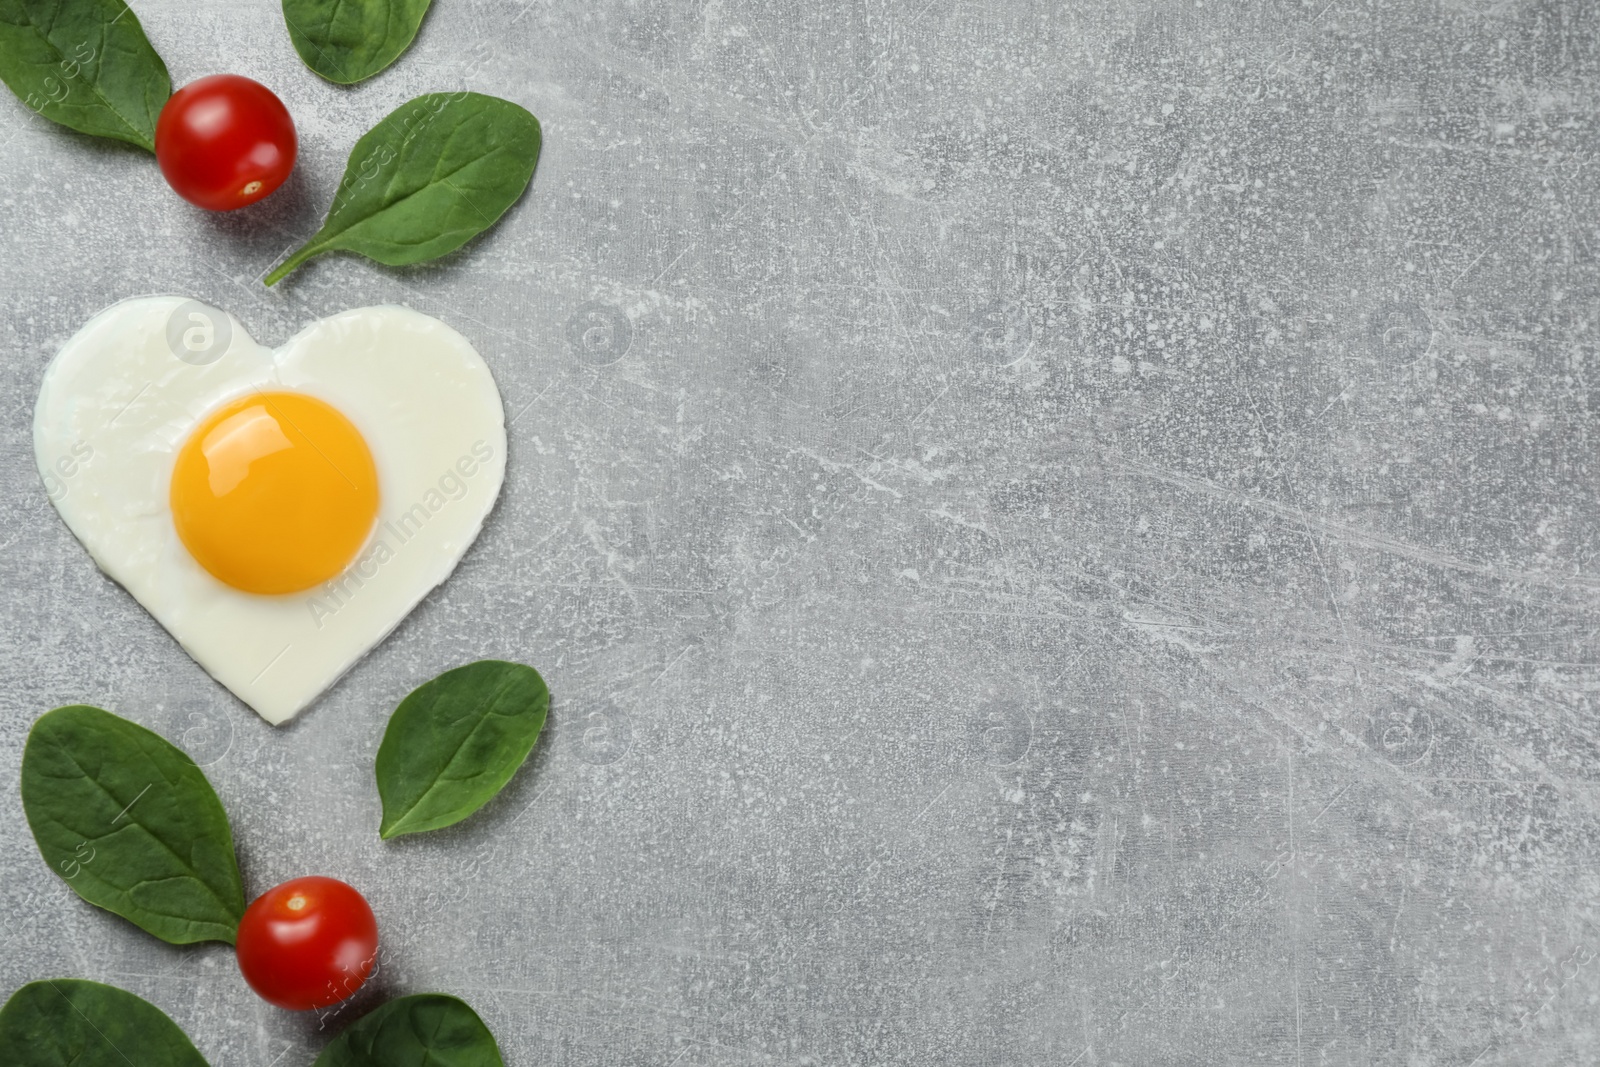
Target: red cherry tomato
[[224, 142], [309, 943]]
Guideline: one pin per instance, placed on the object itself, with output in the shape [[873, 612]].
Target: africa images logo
[[451, 486]]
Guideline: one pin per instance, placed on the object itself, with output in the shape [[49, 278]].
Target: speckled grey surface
[[1060, 534]]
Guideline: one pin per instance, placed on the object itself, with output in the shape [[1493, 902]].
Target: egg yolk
[[274, 493]]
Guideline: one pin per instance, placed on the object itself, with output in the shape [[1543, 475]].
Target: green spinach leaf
[[85, 64], [429, 177], [425, 1030], [347, 41], [455, 741], [64, 1022], [132, 825]]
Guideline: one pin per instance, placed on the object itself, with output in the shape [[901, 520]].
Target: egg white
[[117, 403]]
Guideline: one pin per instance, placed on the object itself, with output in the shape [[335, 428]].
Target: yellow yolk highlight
[[274, 493]]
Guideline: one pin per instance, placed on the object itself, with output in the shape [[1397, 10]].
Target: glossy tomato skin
[[308, 943], [225, 141]]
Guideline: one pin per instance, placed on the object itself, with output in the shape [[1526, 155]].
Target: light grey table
[[1061, 533]]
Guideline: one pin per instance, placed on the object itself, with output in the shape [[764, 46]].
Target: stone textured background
[[1061, 533]]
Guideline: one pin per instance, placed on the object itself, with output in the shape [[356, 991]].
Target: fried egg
[[279, 511]]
